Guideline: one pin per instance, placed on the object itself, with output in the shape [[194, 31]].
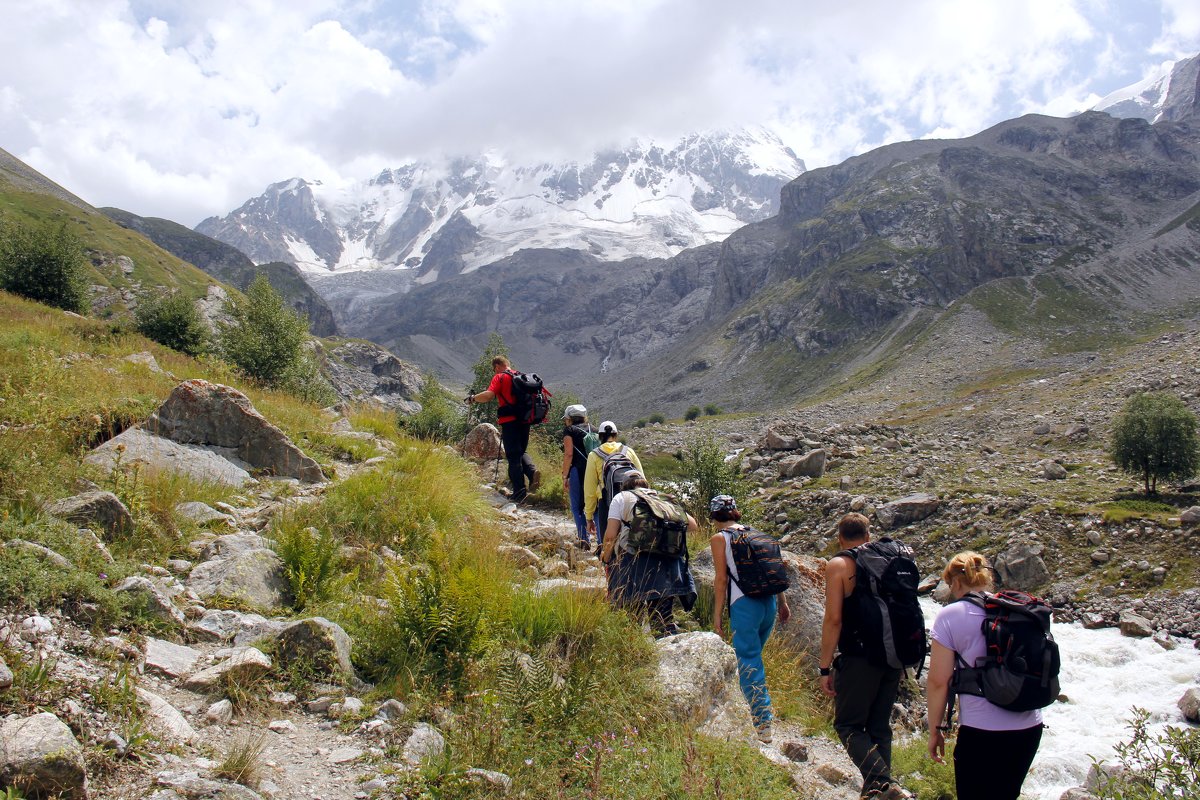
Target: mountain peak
[[648, 198], [1171, 94]]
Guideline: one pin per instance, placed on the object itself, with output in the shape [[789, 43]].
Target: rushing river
[[1104, 675]]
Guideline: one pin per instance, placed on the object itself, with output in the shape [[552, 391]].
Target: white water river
[[1104, 674]]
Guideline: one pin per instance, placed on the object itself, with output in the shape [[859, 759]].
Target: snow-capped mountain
[[443, 218], [1169, 95]]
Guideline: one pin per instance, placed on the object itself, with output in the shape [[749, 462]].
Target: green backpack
[[658, 525]]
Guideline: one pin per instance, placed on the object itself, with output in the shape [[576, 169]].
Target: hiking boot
[[535, 480], [519, 497], [763, 732], [895, 792]]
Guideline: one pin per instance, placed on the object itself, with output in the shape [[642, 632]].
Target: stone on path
[[103, 509], [40, 757], [245, 664], [170, 659]]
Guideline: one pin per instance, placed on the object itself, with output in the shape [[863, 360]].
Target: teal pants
[[752, 619]]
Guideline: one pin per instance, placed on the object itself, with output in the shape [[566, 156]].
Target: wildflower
[[529, 762]]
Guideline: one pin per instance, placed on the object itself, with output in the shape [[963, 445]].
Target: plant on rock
[[1155, 437]]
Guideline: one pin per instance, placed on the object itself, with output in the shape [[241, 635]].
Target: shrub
[[310, 561], [657, 419], [706, 473], [692, 413], [45, 264], [1153, 767], [641, 423], [173, 321], [266, 341], [1155, 437], [712, 410], [442, 418]]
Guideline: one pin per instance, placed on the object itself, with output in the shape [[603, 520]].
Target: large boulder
[[810, 464], [212, 415], [170, 659], [1190, 518], [318, 642], [245, 664], [144, 593], [906, 510], [693, 672], [164, 719], [103, 509], [774, 439], [482, 443], [136, 447], [1189, 705], [254, 577], [42, 758], [1021, 567], [360, 370], [1134, 624]]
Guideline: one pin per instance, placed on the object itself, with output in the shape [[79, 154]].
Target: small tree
[[441, 417], [173, 321], [266, 338], [483, 376], [45, 264], [1155, 437], [692, 413], [707, 473]]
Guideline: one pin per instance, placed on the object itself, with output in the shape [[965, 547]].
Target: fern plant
[[535, 694]]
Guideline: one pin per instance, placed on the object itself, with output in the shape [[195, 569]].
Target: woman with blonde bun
[[995, 746]]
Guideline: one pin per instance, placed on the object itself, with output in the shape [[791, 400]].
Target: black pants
[[515, 437], [862, 716], [991, 765]]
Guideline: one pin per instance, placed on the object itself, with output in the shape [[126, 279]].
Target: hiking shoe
[[535, 480], [519, 497], [895, 792], [763, 732]]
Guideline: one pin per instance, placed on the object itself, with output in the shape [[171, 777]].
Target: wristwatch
[[823, 671]]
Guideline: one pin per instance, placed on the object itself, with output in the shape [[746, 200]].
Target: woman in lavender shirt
[[995, 746]]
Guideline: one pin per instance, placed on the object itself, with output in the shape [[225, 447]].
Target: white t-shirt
[[735, 593], [622, 508]]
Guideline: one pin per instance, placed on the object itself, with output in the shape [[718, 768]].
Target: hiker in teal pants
[[751, 618]]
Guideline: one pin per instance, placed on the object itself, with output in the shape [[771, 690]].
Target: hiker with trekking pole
[[523, 403]]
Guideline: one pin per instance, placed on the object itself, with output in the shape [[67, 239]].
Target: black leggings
[[991, 765], [515, 437]]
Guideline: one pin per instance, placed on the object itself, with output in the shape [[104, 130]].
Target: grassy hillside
[[556, 690]]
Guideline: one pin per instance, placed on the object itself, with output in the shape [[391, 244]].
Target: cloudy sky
[[183, 109]]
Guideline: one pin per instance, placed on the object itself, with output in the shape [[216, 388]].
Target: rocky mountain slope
[[1073, 230], [439, 219], [1173, 95], [230, 266]]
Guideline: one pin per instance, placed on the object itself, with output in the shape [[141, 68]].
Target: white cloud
[[186, 110]]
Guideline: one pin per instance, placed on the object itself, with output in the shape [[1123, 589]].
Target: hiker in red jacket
[[513, 434]]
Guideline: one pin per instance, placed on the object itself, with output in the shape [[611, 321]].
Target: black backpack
[[1020, 670], [531, 400], [891, 627], [617, 467], [759, 562], [658, 525]]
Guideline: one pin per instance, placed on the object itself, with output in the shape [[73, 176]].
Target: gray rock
[[245, 664], [906, 510], [192, 786], [232, 544], [795, 751], [498, 781], [344, 755], [775, 440], [220, 712], [482, 443], [6, 675], [170, 659], [810, 464], [164, 719], [39, 551], [521, 556], [1077, 793], [391, 710], [151, 598], [1053, 471], [360, 370], [319, 643], [1189, 705], [103, 509], [693, 671], [254, 577], [212, 415], [40, 756], [220, 625], [1021, 567], [1190, 518], [1101, 556], [138, 447], [424, 744], [203, 515], [1132, 624]]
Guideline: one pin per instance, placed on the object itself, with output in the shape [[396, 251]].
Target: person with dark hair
[[863, 692], [514, 434], [644, 582], [751, 619], [995, 746], [607, 467], [579, 439]]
